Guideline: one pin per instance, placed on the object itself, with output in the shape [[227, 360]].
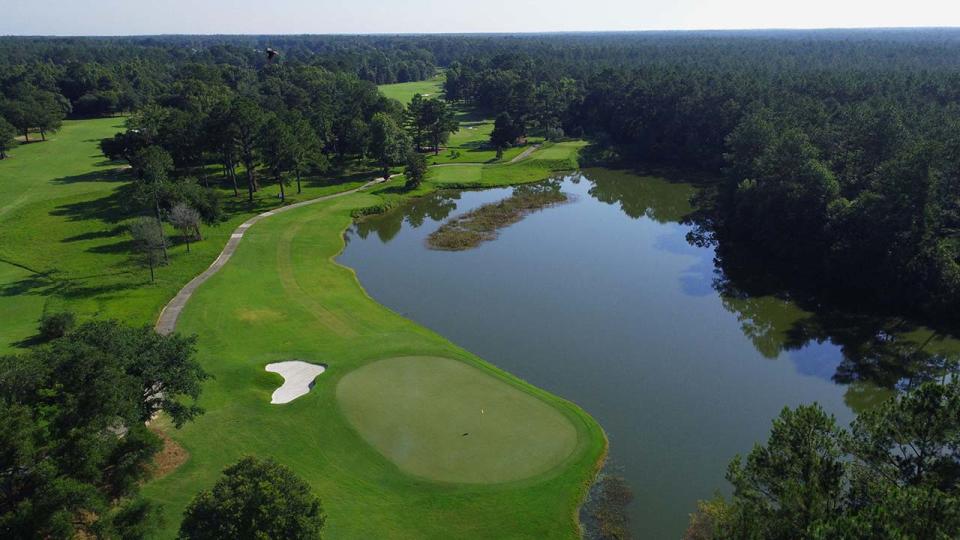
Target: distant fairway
[[446, 420], [468, 145], [404, 92]]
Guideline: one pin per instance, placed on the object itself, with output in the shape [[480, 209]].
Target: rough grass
[[482, 225]]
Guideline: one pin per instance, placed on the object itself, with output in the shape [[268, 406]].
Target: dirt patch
[[170, 457], [257, 315], [483, 224]]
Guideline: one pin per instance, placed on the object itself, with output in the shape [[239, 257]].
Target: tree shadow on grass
[[112, 208], [110, 175], [95, 235], [123, 246]]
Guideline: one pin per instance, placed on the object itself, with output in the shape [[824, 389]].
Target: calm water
[[604, 302]]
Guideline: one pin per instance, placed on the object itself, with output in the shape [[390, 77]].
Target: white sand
[[297, 379]]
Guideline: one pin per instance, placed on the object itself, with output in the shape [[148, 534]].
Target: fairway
[[63, 242], [447, 421], [404, 92]]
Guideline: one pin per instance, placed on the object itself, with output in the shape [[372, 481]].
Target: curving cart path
[[167, 320]]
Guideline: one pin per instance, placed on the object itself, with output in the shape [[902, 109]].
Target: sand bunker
[[297, 379]]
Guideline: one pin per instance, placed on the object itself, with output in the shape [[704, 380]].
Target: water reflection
[[436, 206], [871, 354], [644, 196]]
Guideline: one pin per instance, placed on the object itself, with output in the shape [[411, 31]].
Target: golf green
[[448, 421]]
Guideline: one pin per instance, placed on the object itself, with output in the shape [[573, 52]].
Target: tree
[[186, 220], [72, 437], [440, 122], [254, 499], [148, 240], [19, 114], [221, 137], [276, 149], [7, 134], [414, 120], [307, 149], [247, 120], [504, 133], [794, 483], [56, 325], [416, 170], [47, 113], [895, 474], [390, 143], [154, 165]]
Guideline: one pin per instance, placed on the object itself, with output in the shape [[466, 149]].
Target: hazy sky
[[113, 17]]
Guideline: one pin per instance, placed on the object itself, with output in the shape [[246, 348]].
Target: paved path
[[171, 312], [525, 154]]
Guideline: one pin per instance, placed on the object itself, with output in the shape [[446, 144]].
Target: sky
[[133, 17]]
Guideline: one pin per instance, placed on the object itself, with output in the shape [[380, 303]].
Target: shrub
[[56, 325]]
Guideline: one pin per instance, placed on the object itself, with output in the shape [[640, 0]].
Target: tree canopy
[[894, 474], [254, 499], [73, 444]]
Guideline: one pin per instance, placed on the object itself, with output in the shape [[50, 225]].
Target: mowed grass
[[448, 421], [404, 92], [546, 161], [283, 297], [63, 245]]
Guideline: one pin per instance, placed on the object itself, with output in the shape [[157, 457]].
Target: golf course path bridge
[[167, 320]]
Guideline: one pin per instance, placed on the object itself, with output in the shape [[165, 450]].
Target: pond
[[603, 301]]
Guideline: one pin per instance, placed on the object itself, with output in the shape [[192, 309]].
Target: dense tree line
[[100, 76]]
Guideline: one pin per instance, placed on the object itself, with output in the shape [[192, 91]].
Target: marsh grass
[[483, 224]]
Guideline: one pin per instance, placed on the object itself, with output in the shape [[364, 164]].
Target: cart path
[[525, 154], [167, 321]]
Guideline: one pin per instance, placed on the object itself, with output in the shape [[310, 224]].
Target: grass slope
[[62, 239], [283, 297]]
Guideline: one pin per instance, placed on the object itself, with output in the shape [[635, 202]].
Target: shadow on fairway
[[109, 209], [114, 175]]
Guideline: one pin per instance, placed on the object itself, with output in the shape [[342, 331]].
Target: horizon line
[[493, 33]]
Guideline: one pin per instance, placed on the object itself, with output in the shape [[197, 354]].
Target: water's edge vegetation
[[481, 225]]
